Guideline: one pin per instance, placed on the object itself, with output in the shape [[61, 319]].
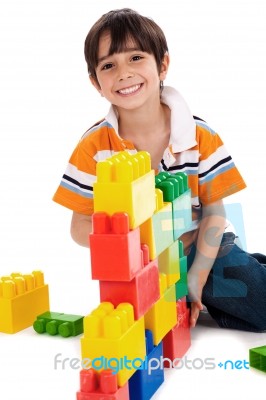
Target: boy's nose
[[125, 73]]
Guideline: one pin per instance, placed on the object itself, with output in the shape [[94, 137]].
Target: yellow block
[[22, 299], [169, 264], [162, 317], [111, 333], [125, 183], [157, 231]]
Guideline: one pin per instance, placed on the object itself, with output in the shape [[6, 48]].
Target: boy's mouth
[[130, 90]]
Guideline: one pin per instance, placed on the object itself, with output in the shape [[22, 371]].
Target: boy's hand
[[195, 286], [196, 307]]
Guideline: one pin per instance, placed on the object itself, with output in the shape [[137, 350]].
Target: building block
[[126, 183], [113, 333], [175, 190], [168, 263], [177, 341], [101, 386], [257, 358], [142, 291], [58, 323], [22, 298], [157, 231], [143, 384], [181, 287], [115, 250], [162, 315]]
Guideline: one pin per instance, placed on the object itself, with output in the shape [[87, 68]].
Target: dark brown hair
[[123, 25]]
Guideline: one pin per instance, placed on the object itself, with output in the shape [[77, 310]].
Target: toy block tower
[[135, 255], [22, 298]]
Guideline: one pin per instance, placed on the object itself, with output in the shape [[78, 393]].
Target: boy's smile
[[130, 79], [130, 90]]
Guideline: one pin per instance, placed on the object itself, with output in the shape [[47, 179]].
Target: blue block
[[143, 385]]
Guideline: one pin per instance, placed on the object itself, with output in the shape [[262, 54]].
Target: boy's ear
[[95, 83], [164, 67]]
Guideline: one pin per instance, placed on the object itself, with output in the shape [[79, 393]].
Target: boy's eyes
[[110, 65], [107, 66], [136, 58]]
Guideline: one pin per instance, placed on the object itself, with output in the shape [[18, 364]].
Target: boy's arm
[[209, 239], [81, 227]]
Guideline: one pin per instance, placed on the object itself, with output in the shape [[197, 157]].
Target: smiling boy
[[127, 58]]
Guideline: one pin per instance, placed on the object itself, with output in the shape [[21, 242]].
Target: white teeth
[[130, 90]]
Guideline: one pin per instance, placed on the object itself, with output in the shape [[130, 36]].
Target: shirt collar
[[183, 127]]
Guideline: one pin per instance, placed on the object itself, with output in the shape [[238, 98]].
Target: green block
[[181, 288], [257, 358], [58, 323], [184, 178], [168, 187]]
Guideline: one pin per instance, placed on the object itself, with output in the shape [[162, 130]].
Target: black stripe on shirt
[[221, 162], [68, 178], [198, 119], [179, 167]]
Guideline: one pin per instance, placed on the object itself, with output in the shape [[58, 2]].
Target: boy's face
[[128, 79]]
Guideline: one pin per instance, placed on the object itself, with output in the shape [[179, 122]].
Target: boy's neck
[[144, 125]]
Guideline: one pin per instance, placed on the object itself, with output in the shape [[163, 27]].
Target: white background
[[218, 57]]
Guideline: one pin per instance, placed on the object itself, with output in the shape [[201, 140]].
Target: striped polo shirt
[[194, 148]]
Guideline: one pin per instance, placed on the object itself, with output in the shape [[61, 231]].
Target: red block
[[142, 291], [115, 250], [177, 341], [181, 306], [100, 387]]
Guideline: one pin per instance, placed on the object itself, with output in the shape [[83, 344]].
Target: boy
[[127, 59]]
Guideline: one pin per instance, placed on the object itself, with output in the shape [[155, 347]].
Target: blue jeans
[[235, 291]]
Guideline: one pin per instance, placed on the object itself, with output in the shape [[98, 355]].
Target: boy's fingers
[[199, 305], [196, 307], [194, 314]]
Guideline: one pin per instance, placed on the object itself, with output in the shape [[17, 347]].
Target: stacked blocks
[[144, 383], [100, 387], [141, 268], [126, 183], [22, 298], [58, 323], [257, 358], [142, 291]]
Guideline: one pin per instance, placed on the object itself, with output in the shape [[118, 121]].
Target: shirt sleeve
[[76, 187], [218, 175]]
